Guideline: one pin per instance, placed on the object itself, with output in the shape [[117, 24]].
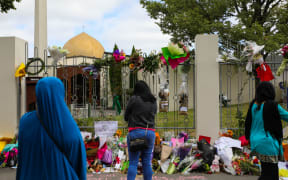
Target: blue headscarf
[[39, 157]]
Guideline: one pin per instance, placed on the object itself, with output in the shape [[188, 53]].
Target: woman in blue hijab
[[50, 143]]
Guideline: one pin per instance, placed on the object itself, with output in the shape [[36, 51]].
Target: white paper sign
[[105, 128], [183, 109]]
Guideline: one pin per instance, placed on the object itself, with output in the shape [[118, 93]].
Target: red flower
[[198, 155]]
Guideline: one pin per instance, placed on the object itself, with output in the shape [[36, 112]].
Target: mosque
[[80, 88]]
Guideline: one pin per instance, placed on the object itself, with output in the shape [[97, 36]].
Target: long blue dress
[[39, 157]]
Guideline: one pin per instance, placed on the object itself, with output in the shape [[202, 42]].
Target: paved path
[[9, 174]]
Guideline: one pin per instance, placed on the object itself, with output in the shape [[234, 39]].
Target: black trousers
[[269, 171]]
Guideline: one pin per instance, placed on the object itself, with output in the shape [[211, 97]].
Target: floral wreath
[[32, 60]]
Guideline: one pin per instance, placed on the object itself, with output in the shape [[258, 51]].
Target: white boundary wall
[[12, 53]]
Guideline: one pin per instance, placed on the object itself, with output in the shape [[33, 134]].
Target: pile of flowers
[[175, 154]]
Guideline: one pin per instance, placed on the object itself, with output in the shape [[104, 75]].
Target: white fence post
[[207, 86], [12, 53]]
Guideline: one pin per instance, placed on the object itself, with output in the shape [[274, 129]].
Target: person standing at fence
[[263, 128], [50, 143], [140, 115]]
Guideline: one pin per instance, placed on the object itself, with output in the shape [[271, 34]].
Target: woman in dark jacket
[[140, 115], [263, 128]]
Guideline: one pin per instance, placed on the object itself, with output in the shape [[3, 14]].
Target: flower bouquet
[[57, 53], [174, 54], [136, 59], [118, 55], [194, 165], [184, 163], [249, 168], [226, 57], [173, 164], [150, 63], [252, 53], [284, 51], [226, 133]]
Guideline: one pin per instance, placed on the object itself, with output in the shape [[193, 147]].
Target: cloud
[[123, 22]]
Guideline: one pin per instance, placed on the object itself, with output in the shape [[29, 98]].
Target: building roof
[[84, 45]]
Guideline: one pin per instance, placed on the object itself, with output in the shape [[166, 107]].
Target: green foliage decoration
[[151, 62]]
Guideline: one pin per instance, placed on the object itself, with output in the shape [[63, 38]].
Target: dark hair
[[264, 92], [142, 89]]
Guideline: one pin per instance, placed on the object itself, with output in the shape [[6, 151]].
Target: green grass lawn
[[167, 121]]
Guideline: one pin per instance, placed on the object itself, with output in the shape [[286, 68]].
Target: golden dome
[[84, 45]]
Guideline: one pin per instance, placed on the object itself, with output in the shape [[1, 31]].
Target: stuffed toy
[[215, 168], [252, 52]]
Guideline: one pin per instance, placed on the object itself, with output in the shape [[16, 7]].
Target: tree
[[6, 5], [262, 21]]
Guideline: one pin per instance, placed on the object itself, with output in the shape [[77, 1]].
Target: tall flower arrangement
[[118, 55], [284, 52], [136, 59]]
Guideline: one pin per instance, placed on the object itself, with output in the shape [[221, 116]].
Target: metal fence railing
[[237, 90], [92, 98]]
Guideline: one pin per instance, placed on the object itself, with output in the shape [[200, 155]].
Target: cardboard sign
[[105, 128]]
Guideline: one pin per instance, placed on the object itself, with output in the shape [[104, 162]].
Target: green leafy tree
[[115, 47], [262, 21], [133, 78], [115, 76], [6, 5]]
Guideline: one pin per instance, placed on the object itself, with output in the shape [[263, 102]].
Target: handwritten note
[[105, 128]]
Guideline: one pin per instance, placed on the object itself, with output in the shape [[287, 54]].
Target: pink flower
[[285, 52]]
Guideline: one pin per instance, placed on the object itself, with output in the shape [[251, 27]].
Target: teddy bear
[[215, 168]]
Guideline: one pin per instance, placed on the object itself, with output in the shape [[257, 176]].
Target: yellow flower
[[131, 66], [230, 133], [118, 133]]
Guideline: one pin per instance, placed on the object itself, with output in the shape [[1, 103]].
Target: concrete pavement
[[10, 174]]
